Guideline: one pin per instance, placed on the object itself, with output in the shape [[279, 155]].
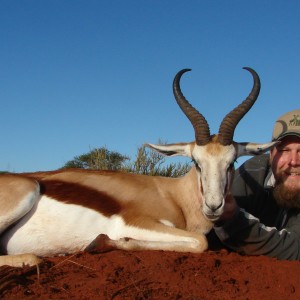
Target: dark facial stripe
[[74, 193]]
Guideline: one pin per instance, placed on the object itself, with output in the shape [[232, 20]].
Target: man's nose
[[295, 158]]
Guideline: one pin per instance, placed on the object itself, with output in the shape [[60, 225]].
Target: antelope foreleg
[[168, 239], [19, 260]]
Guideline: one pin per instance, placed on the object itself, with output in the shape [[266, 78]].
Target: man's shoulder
[[257, 167], [251, 174], [256, 163]]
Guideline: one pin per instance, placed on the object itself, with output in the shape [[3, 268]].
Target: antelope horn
[[202, 133], [231, 120]]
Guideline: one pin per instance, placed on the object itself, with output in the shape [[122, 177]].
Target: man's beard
[[286, 196]]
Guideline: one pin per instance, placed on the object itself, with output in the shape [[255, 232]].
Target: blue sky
[[75, 75]]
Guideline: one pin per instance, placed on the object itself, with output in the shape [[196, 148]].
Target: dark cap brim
[[288, 133]]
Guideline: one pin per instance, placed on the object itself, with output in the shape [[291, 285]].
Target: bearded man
[[263, 216]]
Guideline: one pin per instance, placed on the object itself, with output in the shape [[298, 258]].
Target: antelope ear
[[180, 149], [253, 148]]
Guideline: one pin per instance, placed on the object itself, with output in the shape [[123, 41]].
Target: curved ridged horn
[[202, 133], [231, 120]]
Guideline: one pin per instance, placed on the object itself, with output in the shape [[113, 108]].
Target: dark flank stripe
[[74, 193]]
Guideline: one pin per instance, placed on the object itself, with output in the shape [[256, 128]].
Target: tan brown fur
[[16, 186], [104, 191]]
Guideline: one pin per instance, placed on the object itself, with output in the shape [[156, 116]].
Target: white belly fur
[[54, 227]]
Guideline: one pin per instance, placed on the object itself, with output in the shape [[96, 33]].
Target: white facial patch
[[214, 161]]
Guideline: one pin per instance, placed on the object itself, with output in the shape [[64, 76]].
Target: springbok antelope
[[65, 211]]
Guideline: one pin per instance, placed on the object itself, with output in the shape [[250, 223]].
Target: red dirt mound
[[154, 275]]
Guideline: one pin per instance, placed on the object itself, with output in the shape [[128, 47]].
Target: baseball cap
[[287, 124]]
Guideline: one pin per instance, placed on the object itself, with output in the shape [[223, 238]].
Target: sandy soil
[[154, 275]]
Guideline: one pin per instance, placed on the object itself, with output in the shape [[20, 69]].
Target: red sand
[[154, 275]]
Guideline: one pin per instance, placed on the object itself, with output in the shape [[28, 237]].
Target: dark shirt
[[260, 227]]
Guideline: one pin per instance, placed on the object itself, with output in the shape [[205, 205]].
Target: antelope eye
[[231, 166], [196, 165], [198, 168]]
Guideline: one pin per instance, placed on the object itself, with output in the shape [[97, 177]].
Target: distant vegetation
[[146, 162]]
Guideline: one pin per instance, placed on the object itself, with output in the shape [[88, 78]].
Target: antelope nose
[[213, 207]]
